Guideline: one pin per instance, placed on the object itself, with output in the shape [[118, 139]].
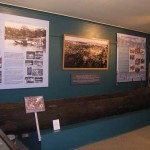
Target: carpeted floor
[[135, 140]]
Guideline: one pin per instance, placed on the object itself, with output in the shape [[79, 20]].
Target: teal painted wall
[[74, 136], [59, 81]]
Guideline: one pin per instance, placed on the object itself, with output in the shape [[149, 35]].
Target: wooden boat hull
[[13, 118]]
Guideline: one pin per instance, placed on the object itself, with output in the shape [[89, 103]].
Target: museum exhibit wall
[[59, 79], [59, 85]]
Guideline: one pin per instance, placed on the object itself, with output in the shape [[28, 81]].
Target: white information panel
[[23, 52], [131, 58]]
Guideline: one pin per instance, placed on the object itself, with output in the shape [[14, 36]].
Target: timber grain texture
[[13, 118]]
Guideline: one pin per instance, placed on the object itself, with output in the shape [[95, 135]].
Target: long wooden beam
[[13, 118]]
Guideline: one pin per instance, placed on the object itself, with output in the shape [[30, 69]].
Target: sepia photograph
[[142, 67], [34, 104], [132, 68], [137, 61], [85, 53], [142, 61], [137, 70], [132, 50], [132, 57]]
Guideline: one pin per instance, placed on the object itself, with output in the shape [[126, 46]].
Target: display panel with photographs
[[24, 52], [131, 58], [80, 53]]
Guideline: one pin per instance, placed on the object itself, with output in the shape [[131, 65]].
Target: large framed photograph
[[80, 53]]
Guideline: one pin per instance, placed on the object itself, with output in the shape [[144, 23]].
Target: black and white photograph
[[24, 37], [29, 62], [29, 79], [38, 63], [29, 70], [0, 62], [38, 79], [37, 72], [39, 54], [30, 55]]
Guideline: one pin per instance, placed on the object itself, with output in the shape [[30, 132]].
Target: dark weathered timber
[[7, 141], [13, 118]]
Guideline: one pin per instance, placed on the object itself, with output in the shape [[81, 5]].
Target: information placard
[[85, 78]]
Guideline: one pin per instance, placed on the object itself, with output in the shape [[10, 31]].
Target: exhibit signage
[[85, 78], [34, 104], [23, 52]]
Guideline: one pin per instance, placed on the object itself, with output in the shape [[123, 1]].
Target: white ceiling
[[130, 14]]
